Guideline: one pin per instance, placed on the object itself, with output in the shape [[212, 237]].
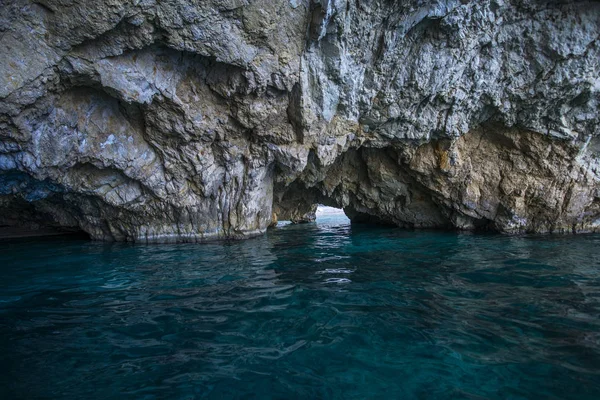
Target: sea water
[[325, 310]]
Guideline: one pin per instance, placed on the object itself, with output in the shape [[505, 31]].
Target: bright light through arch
[[328, 215]]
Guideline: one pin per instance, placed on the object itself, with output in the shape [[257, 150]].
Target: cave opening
[[9, 232], [321, 214], [331, 215]]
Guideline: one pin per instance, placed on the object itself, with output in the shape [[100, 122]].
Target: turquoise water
[[324, 310]]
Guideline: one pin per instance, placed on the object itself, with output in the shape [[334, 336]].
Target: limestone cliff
[[185, 120]]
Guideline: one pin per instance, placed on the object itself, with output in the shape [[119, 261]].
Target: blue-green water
[[308, 311]]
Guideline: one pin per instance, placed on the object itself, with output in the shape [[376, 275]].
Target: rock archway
[[188, 121]]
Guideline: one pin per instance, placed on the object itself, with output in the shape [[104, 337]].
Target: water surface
[[324, 310]]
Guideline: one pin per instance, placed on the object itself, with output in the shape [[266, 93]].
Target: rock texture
[[186, 120]]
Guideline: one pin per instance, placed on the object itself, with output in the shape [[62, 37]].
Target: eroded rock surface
[[185, 120]]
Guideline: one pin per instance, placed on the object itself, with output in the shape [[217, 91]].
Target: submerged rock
[[183, 120]]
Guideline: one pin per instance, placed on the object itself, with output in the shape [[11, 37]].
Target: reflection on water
[[325, 310]]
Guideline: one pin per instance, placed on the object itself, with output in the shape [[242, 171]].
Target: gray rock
[[186, 120]]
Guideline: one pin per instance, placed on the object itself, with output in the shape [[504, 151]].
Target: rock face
[[186, 120]]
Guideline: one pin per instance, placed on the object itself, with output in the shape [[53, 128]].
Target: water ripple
[[320, 310]]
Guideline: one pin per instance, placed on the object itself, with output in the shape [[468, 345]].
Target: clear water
[[323, 310]]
